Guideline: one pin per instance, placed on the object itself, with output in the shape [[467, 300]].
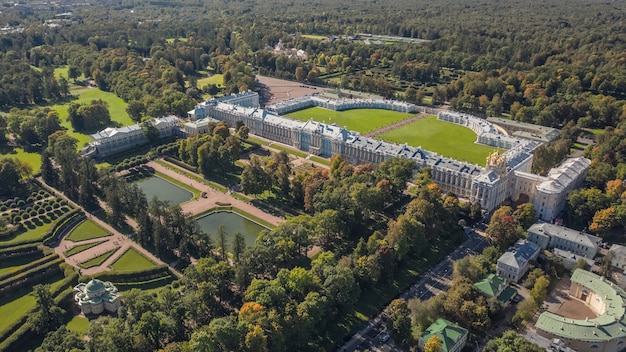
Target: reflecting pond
[[157, 187], [233, 223]]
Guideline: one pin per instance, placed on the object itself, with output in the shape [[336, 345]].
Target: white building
[[247, 99], [550, 236], [618, 253], [97, 296], [196, 127], [113, 140], [514, 264]]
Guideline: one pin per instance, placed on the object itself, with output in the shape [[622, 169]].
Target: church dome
[[94, 286]]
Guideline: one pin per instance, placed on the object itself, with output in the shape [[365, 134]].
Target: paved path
[[388, 128], [213, 198]]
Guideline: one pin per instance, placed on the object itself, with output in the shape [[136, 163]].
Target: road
[[434, 281]]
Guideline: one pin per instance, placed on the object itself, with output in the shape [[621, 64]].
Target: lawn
[[31, 234], [217, 79], [180, 39], [360, 120], [444, 138], [78, 324], [80, 248], [86, 231], [97, 260], [132, 260], [32, 159], [117, 109], [313, 36]]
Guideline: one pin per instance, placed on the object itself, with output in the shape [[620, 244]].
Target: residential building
[[550, 236], [605, 332], [514, 264], [618, 256], [495, 286], [97, 296], [453, 337]]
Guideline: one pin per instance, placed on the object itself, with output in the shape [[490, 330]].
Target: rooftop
[[491, 285], [608, 326], [566, 234], [448, 332], [520, 254]]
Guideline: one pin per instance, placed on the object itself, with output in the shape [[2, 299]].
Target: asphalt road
[[434, 281]]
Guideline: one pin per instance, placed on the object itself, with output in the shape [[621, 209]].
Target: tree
[[10, 176], [503, 229], [221, 241], [48, 316], [399, 322], [150, 131], [525, 215], [540, 289], [433, 344], [239, 246], [254, 179], [135, 110], [61, 340]]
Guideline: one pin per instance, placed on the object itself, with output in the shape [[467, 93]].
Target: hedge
[[129, 276], [29, 277], [20, 250], [28, 266], [11, 231], [180, 164], [48, 235]]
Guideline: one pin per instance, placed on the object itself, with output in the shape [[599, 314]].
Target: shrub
[[33, 213], [39, 197], [47, 208], [3, 207], [41, 211], [63, 202]]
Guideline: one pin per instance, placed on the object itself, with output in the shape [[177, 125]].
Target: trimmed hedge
[[130, 276], [28, 266], [29, 277], [11, 231], [180, 164], [17, 251], [48, 235]]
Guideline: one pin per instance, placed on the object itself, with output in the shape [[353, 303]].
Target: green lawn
[[313, 36], [78, 324], [87, 230], [32, 159], [444, 138], [80, 248], [360, 120], [132, 260], [217, 79], [31, 234], [97, 260], [117, 109], [180, 39], [14, 306]]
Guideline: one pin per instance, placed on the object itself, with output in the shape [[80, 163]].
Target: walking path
[[213, 198], [395, 125]]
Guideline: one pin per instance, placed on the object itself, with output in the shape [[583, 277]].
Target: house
[[514, 264], [550, 236], [495, 286], [452, 336], [618, 256]]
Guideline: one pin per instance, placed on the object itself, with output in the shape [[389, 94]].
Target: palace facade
[[490, 185]]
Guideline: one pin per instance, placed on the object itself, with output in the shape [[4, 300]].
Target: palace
[[97, 296], [506, 176]]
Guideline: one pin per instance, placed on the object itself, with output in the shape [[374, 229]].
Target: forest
[[553, 63]]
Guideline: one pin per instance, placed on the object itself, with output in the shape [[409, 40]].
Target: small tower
[[496, 162]]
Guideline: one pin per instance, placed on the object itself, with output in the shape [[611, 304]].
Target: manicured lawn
[[36, 233], [13, 308], [32, 159], [132, 260], [80, 248], [97, 260], [217, 79], [87, 230], [117, 109], [78, 324], [360, 120], [313, 36], [441, 137]]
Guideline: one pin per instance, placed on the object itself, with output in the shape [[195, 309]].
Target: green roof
[[491, 286], [608, 326], [448, 332], [507, 294], [94, 285]]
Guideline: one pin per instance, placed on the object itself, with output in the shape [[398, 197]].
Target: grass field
[[117, 109], [10, 264], [86, 231], [180, 39], [132, 260], [217, 79], [313, 36], [36, 233], [444, 138], [80, 248], [360, 120], [95, 261], [32, 159], [78, 324]]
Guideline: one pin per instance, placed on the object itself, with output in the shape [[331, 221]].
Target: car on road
[[384, 338]]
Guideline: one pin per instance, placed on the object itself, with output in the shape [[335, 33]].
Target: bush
[[33, 213], [41, 211], [48, 208], [39, 197], [3, 207], [20, 203]]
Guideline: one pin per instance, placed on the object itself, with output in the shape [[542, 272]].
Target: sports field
[[360, 120], [443, 138]]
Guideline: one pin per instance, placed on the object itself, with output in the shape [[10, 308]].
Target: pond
[[233, 223], [157, 187]]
